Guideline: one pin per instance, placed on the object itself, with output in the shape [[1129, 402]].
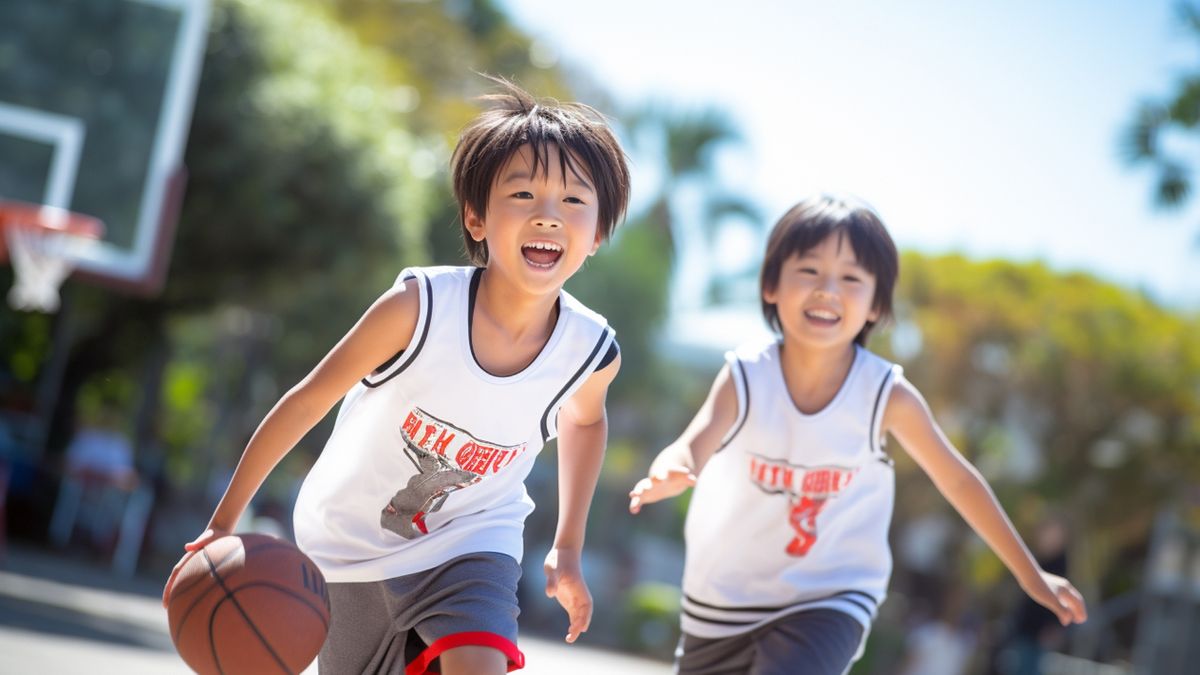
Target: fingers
[[1075, 609], [190, 549], [171, 579], [637, 496], [169, 584], [660, 485], [580, 614]]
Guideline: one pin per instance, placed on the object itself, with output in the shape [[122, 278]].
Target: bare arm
[[583, 435], [385, 328], [908, 419], [676, 467]]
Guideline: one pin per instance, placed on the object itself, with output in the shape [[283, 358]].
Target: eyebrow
[[811, 255], [523, 175]]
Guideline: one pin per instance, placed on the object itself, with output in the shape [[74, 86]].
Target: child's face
[[823, 295], [538, 229]]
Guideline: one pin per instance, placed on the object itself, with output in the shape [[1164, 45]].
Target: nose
[[547, 216]]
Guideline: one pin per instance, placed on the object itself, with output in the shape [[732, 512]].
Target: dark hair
[[809, 223], [578, 132]]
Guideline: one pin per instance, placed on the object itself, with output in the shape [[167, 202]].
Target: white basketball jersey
[[428, 458], [793, 511]]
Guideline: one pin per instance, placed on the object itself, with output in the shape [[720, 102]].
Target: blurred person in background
[[788, 557], [1034, 631], [98, 477]]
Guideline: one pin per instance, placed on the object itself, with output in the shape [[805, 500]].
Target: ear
[[873, 317], [769, 294], [596, 244], [473, 223]]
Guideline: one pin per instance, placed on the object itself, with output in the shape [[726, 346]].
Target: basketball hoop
[[43, 243]]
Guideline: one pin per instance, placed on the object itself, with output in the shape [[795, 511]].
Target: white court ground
[[61, 616]]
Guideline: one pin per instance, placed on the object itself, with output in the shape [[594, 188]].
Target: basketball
[[248, 603]]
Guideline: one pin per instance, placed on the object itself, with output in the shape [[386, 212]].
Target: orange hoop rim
[[40, 216]]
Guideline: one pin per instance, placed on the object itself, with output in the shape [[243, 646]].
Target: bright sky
[[988, 128]]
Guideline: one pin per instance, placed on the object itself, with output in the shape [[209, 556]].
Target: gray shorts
[[402, 625], [812, 642]]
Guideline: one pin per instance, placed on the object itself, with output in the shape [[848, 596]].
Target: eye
[[523, 194], [573, 200], [808, 270], [851, 278]]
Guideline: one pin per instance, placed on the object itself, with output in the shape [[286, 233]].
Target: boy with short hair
[[454, 380]]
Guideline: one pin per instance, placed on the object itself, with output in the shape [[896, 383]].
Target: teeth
[[543, 245], [822, 314]]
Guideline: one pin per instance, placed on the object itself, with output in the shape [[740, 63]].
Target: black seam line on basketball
[[741, 421], [286, 591], [178, 591], [238, 606], [213, 617], [839, 594], [605, 335], [187, 613], [876, 447], [420, 343], [222, 561]]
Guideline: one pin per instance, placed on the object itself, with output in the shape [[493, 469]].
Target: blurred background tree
[[1160, 127]]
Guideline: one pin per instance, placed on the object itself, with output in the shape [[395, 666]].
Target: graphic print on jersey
[[807, 489], [427, 442]]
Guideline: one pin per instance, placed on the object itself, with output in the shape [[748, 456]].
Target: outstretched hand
[[659, 485], [1059, 596], [190, 548], [564, 582]]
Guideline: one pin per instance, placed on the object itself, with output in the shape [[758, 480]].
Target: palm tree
[[683, 145]]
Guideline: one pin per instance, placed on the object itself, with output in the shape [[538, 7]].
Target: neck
[[515, 314], [814, 375]]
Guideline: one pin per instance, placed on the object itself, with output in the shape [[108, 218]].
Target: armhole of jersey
[[550, 421], [398, 363], [881, 401], [738, 373]]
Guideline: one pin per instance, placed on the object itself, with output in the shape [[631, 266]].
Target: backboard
[[95, 102]]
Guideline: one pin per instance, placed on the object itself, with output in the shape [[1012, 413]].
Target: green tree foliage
[[1145, 141], [1070, 393]]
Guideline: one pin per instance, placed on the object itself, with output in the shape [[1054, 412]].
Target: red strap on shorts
[[420, 665]]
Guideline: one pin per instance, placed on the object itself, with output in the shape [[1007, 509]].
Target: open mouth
[[821, 316], [542, 254]]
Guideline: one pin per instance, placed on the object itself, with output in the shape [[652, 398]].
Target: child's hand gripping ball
[[248, 603]]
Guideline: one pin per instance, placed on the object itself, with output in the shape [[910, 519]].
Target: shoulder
[[761, 350], [437, 276], [905, 404], [877, 367], [570, 306]]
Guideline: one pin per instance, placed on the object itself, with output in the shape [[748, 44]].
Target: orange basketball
[[248, 603]]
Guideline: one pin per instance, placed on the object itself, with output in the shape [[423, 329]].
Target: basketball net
[[42, 259]]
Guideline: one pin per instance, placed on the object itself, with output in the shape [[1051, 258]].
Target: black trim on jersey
[[420, 342], [388, 364], [768, 611], [604, 335], [745, 413], [610, 355], [877, 445], [778, 608]]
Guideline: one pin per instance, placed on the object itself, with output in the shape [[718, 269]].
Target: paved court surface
[[62, 616]]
